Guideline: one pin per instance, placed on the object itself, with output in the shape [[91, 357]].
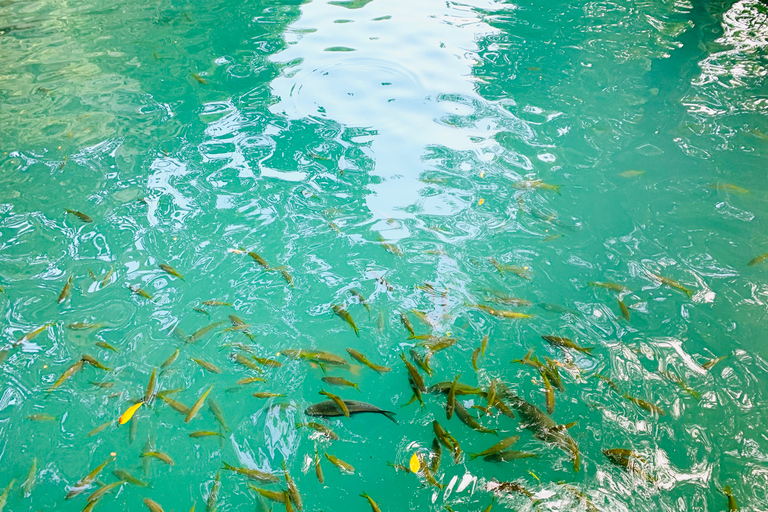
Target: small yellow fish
[[65, 291], [633, 173], [80, 215], [140, 291], [128, 414], [344, 314], [199, 78], [536, 184], [215, 303], [170, 270], [671, 283], [758, 259], [728, 187]]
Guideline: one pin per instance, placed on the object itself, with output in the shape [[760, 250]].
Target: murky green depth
[[392, 148]]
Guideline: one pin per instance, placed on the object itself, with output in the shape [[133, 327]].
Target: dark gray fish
[[330, 409]]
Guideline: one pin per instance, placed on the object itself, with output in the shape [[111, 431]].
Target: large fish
[[329, 409]]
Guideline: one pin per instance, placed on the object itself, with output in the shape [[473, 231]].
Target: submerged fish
[[76, 367], [373, 504], [339, 381], [470, 420], [758, 259], [671, 283], [87, 480], [344, 314], [536, 184], [65, 291], [197, 405], [498, 447], [522, 272], [170, 270], [542, 426], [566, 343], [624, 309], [258, 259], [80, 215], [339, 463], [728, 187], [253, 474], [364, 360], [330, 409], [626, 459], [618, 288], [732, 505], [361, 298], [509, 455], [502, 313], [330, 434], [338, 401], [140, 291]]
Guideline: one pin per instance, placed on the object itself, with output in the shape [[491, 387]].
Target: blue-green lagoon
[[205, 206]]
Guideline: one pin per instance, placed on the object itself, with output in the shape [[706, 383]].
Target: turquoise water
[[316, 133]]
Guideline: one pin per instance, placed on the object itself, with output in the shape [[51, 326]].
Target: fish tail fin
[[473, 456], [695, 394], [557, 188], [587, 350], [390, 415], [688, 292], [227, 466]]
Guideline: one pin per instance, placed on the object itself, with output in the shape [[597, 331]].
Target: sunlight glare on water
[[215, 207]]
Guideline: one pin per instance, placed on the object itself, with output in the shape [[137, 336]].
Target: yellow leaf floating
[[480, 202], [414, 463], [127, 415]]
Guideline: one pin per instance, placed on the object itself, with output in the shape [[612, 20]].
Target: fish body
[[94, 362], [344, 315], [215, 303], [41, 417], [360, 297], [470, 420], [559, 341], [65, 291], [109, 273], [268, 362], [140, 291], [330, 409], [197, 405], [250, 380], [475, 355], [338, 401], [407, 324], [364, 360], [32, 334], [414, 374], [543, 427], [645, 405], [267, 394], [447, 440], [293, 491], [170, 270], [86, 481], [253, 474], [339, 463], [500, 298], [126, 476], [80, 215], [81, 326], [339, 381], [177, 406], [732, 505], [461, 388], [207, 365], [98, 493], [318, 469], [205, 433], [330, 434], [164, 457], [549, 394], [4, 496], [758, 259], [216, 411], [373, 504], [204, 82], [728, 187], [681, 383], [76, 367], [210, 504], [195, 336], [248, 363], [615, 287], [29, 482], [671, 283], [498, 447], [451, 402], [423, 362], [153, 506], [536, 185], [105, 345], [624, 309], [626, 459], [258, 259], [508, 455], [171, 358], [502, 313], [99, 428]]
